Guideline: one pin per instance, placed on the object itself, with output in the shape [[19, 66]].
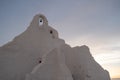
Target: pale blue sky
[[95, 23]]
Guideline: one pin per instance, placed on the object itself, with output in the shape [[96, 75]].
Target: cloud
[[111, 62]]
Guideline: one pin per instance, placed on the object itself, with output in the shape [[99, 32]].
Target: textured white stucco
[[39, 54]]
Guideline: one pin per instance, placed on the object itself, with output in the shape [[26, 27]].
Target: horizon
[[92, 23]]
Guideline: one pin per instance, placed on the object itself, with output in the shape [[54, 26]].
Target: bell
[[40, 20]]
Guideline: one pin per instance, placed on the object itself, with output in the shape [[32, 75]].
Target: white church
[[39, 54]]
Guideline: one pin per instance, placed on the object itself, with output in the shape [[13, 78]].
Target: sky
[[95, 23]]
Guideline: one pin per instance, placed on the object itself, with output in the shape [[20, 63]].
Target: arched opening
[[40, 21]]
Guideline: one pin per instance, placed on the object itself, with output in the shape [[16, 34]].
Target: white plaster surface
[[39, 54]]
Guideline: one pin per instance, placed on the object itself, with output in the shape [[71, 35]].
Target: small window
[[51, 32], [40, 61]]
